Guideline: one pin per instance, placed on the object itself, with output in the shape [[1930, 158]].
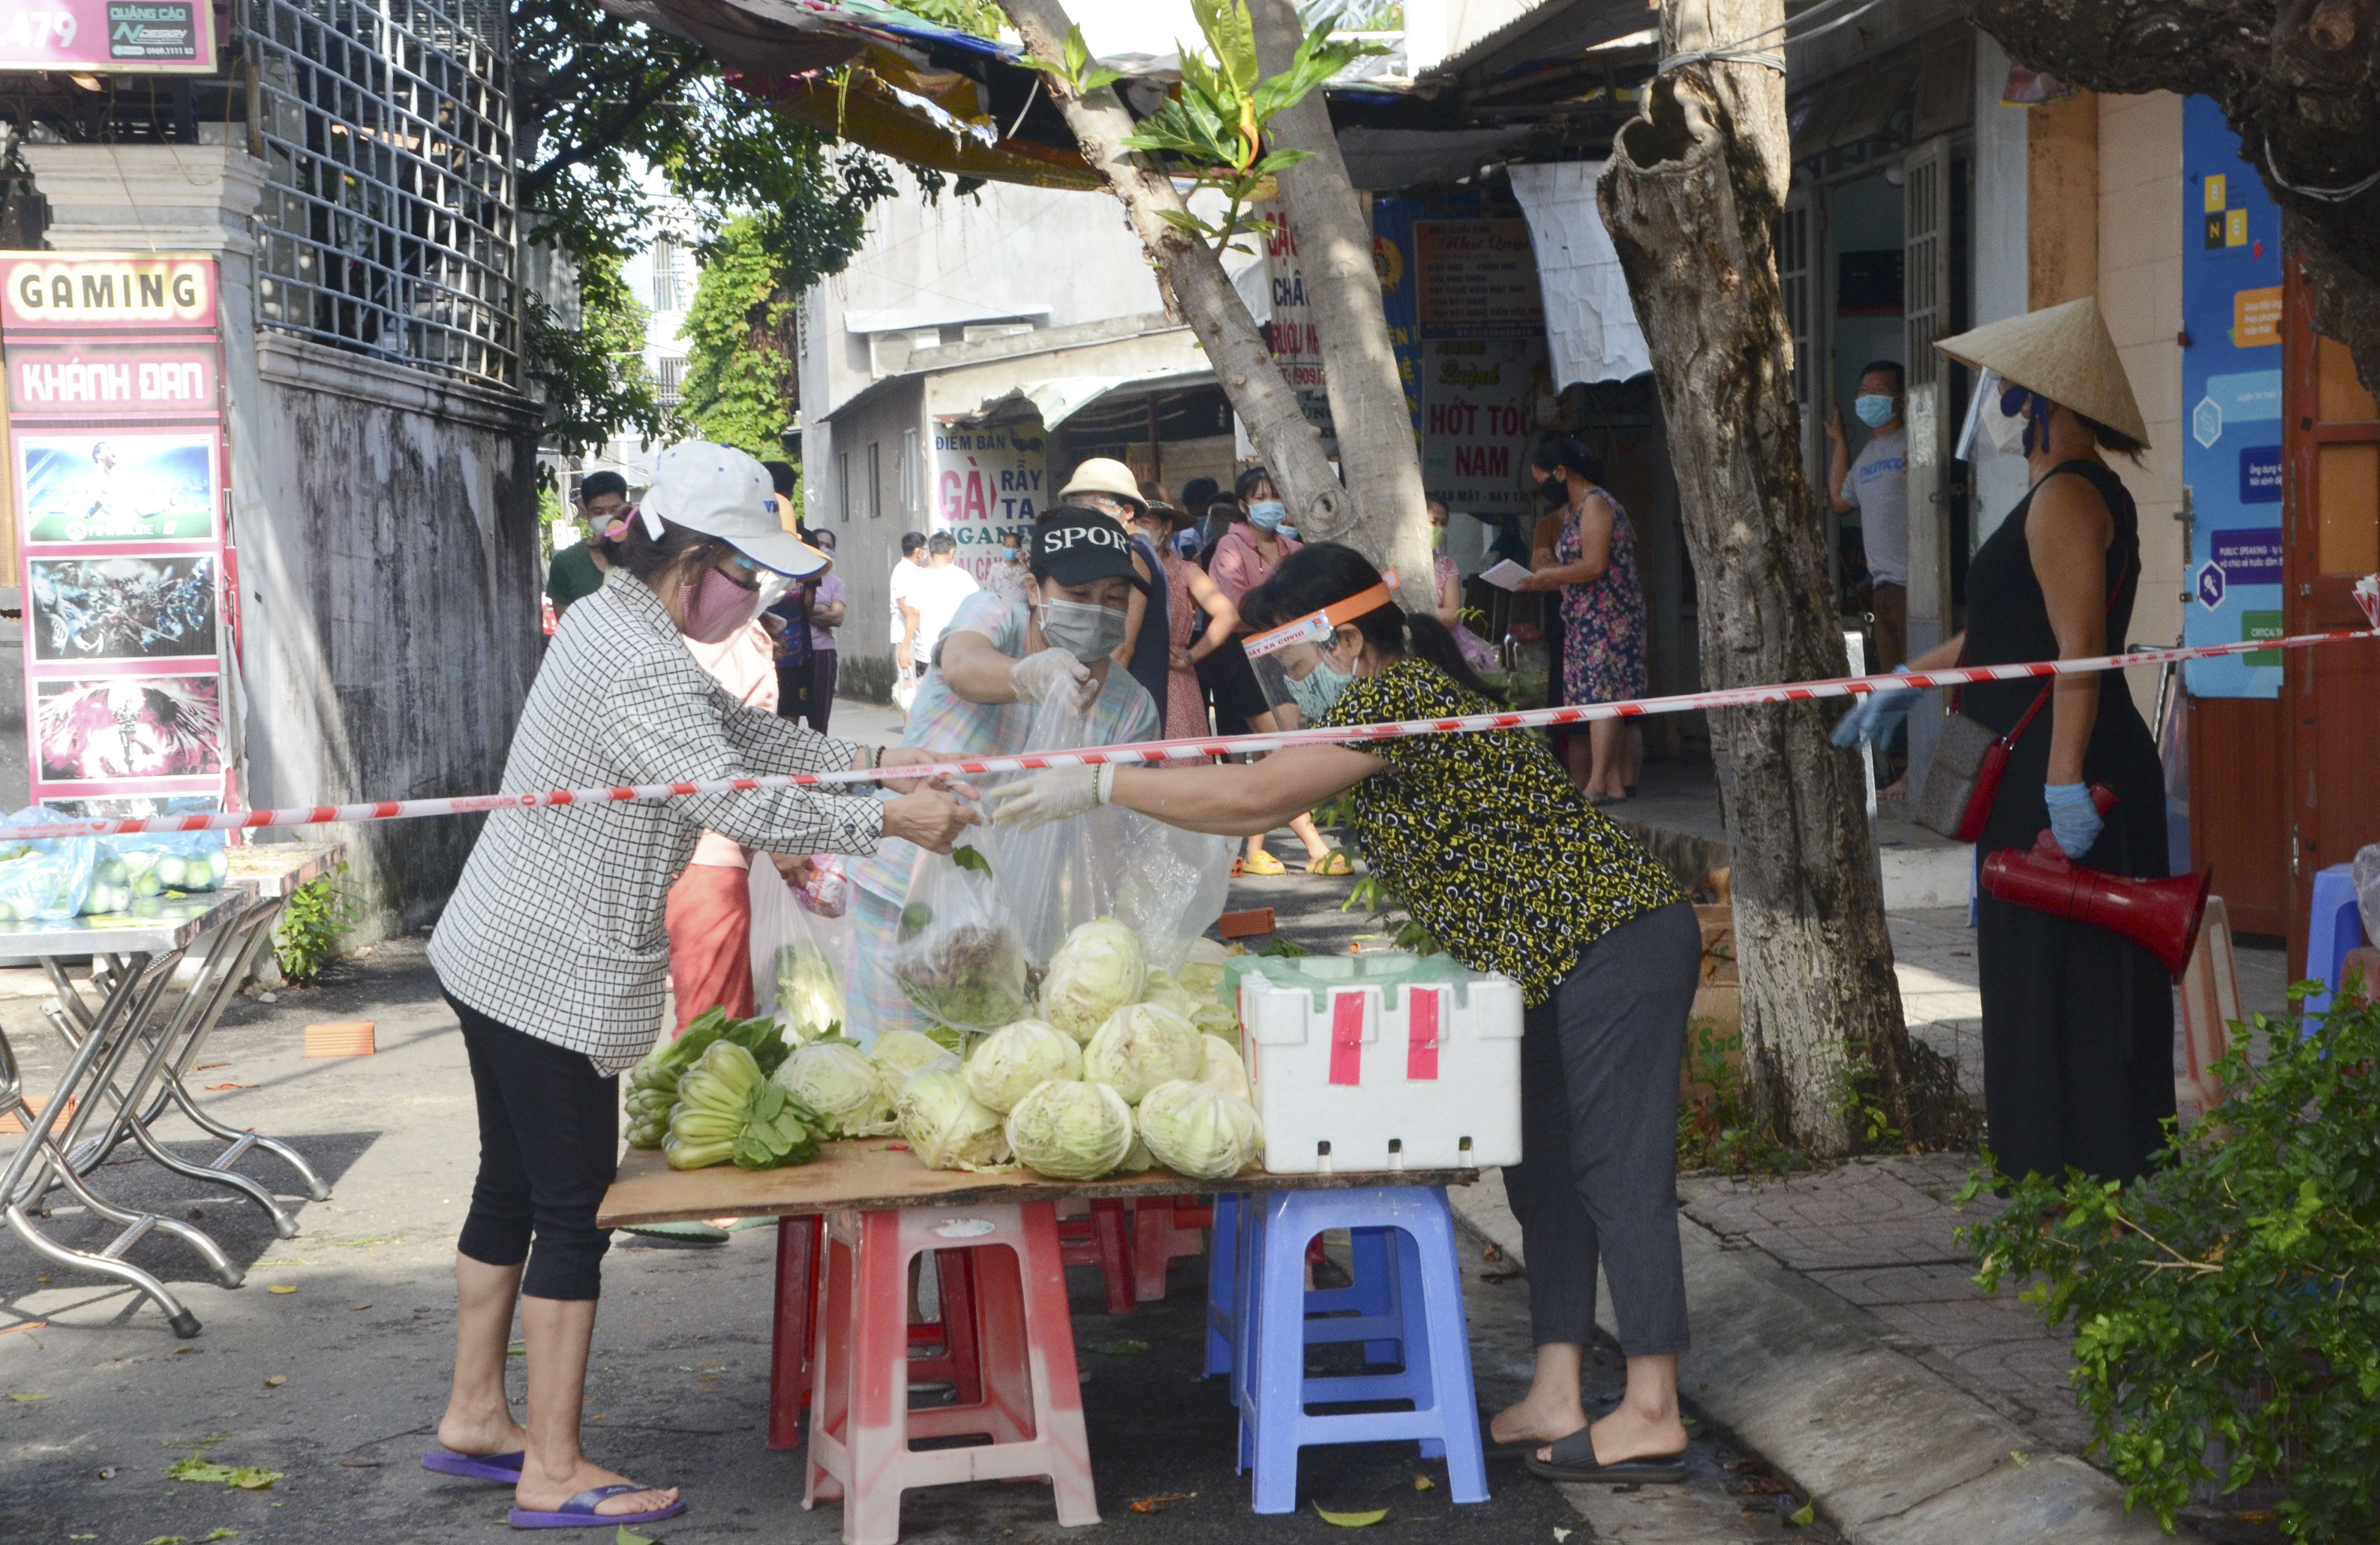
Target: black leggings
[[549, 1146]]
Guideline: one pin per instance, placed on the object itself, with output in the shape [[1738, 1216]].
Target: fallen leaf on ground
[[626, 1536], [1160, 1502], [207, 1472], [276, 1381], [28, 1325], [219, 1534], [165, 1539], [1497, 1276], [1120, 1348], [281, 1288], [1560, 1534], [82, 1537], [1352, 1520], [205, 1065], [1491, 1253], [217, 1089], [354, 1308], [27, 1399], [359, 1464], [1762, 1486], [520, 1349], [1423, 1483], [1803, 1519], [2018, 1455]]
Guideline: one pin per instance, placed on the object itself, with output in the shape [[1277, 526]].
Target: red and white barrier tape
[[1177, 750]]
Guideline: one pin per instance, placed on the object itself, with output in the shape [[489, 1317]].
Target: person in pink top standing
[[1246, 558], [1199, 620], [709, 912]]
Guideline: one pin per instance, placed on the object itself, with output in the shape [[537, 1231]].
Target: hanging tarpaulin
[[1591, 326], [2231, 407]]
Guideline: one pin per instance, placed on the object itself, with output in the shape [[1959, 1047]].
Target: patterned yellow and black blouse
[[1486, 840]]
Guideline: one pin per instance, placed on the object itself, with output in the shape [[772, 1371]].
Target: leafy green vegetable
[[1070, 1129], [726, 1109], [1199, 1130], [969, 858]]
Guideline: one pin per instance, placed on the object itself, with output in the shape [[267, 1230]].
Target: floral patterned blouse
[[1485, 839]]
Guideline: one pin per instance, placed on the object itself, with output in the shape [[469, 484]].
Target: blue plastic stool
[[2334, 926], [1364, 1310], [1269, 1379]]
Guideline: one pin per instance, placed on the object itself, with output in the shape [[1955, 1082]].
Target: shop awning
[[1060, 397], [1591, 328]]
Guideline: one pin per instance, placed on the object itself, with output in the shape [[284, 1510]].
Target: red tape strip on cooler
[[1421, 1034], [1347, 1039]]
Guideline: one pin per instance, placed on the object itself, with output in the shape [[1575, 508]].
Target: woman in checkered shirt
[[553, 954]]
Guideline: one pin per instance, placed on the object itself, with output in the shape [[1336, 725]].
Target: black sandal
[[1574, 1461]]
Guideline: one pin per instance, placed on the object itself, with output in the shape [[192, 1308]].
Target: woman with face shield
[[1488, 843], [552, 955], [2078, 1020], [996, 663]]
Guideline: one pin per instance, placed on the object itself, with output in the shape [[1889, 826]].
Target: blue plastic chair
[[1364, 1310], [1268, 1379], [2334, 926]]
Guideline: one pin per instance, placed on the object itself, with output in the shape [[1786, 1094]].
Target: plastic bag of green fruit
[[48, 879]]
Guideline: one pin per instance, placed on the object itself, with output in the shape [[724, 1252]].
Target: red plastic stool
[[797, 1316], [1029, 1404], [1163, 1228], [1103, 1240]]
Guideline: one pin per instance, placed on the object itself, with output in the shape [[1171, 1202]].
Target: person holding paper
[[1593, 567]]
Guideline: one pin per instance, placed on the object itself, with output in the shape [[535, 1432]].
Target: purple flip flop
[[579, 1512], [505, 1468]]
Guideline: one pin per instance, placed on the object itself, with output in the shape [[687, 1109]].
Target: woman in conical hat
[[2078, 1020]]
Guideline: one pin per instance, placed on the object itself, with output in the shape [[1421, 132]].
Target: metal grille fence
[[389, 218]]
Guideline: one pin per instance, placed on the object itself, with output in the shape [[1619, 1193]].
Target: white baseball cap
[[724, 492]]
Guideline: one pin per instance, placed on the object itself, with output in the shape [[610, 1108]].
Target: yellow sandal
[[1333, 862], [1262, 863]]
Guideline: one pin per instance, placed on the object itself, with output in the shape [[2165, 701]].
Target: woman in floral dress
[[1602, 611]]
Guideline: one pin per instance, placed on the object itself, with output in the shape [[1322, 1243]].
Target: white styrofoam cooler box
[[1365, 1062]]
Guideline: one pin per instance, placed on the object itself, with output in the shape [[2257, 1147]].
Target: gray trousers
[[1600, 1136]]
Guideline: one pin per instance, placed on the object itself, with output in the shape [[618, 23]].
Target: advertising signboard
[[129, 37], [987, 483]]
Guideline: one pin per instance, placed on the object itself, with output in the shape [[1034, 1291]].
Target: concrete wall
[[866, 548], [386, 523], [2001, 238]]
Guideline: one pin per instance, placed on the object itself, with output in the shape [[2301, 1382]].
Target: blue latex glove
[[1876, 715], [2074, 821]]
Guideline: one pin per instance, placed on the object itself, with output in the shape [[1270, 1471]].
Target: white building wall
[[2002, 264]]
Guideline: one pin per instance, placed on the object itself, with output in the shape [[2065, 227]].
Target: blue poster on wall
[[2231, 407]]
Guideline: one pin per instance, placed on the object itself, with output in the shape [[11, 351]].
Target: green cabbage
[[1222, 1068], [1015, 1058], [947, 1127], [901, 1054], [1201, 975], [1141, 1046], [835, 1078], [728, 1109], [1071, 1130], [1197, 1130], [1216, 1020], [1100, 968], [1161, 988], [809, 991]]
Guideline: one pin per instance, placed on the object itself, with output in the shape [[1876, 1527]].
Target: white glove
[[1039, 678], [1052, 796]]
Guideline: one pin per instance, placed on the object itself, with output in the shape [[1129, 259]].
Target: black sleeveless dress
[[2078, 1020]]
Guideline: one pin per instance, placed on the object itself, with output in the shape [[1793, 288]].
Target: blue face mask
[[1289, 531], [1873, 410], [1267, 514], [1318, 691]]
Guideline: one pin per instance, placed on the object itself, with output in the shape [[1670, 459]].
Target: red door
[[2330, 695]]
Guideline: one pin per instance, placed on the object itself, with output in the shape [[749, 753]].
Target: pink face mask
[[716, 607]]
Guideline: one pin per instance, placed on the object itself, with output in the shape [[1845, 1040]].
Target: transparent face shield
[[1301, 666]]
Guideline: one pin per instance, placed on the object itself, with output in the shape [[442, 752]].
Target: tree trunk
[[1198, 286], [1691, 195], [2300, 79], [1377, 454]]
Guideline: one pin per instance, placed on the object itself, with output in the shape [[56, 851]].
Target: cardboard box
[[9, 1121]]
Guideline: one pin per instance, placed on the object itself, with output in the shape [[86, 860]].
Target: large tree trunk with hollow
[[1691, 195], [2300, 79], [1377, 454], [1196, 285]]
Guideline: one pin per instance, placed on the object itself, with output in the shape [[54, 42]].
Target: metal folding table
[[158, 984]]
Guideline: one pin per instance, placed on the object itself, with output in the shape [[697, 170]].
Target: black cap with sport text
[[1076, 545]]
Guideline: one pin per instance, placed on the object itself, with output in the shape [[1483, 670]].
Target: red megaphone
[[2162, 915]]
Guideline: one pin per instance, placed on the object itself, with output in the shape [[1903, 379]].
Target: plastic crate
[[1381, 1062]]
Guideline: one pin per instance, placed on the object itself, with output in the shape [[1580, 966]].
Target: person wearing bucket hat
[[1000, 666], [552, 954], [2078, 1020]]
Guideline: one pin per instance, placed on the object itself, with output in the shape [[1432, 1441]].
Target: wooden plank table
[[876, 1174]]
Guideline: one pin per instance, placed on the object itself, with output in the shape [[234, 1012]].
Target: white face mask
[[1088, 633], [2005, 431]]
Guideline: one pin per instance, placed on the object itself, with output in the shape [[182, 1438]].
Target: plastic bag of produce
[[48, 879], [151, 863], [956, 955], [835, 1078], [801, 956], [1069, 1129], [1016, 1059], [1165, 885], [1199, 1130], [947, 1127]]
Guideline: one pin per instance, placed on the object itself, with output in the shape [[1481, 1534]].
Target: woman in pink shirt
[[709, 912], [1244, 558]]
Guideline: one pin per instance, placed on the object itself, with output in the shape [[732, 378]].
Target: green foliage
[[739, 387], [592, 377], [981, 17], [1871, 1125], [2226, 1318], [319, 915], [1719, 1126]]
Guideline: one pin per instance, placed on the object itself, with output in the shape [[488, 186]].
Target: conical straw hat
[[2063, 352]]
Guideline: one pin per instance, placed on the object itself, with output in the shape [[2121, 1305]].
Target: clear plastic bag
[[1165, 885], [48, 879], [141, 864], [956, 954], [801, 957]]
